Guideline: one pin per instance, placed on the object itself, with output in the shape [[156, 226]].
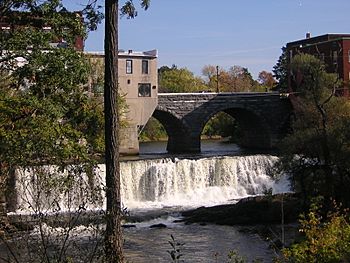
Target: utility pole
[[217, 79]]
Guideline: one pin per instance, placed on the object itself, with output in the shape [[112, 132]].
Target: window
[[144, 89], [335, 57], [322, 57], [47, 29], [5, 29], [128, 66], [144, 66]]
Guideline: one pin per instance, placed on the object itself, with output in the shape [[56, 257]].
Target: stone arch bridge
[[263, 117]]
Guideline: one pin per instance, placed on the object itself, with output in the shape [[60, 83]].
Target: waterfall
[[197, 182], [165, 182]]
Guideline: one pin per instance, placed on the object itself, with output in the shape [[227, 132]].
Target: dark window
[[129, 66], [335, 57], [144, 89], [322, 57], [144, 66]]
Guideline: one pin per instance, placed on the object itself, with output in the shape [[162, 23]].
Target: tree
[[44, 86], [326, 239], [153, 131], [316, 152], [236, 79], [113, 237], [179, 80], [222, 125], [266, 79], [46, 117], [280, 71], [213, 77]]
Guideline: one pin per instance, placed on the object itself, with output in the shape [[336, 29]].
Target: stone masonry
[[264, 117]]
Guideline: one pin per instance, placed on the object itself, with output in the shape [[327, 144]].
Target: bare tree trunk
[[113, 236]]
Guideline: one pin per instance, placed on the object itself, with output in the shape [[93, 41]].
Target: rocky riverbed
[[266, 209]]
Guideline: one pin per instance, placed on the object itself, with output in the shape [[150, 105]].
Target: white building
[[138, 84]]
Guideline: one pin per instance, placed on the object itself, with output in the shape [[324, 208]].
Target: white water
[[189, 183], [154, 184]]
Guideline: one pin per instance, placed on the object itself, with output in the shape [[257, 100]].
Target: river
[[156, 186], [221, 173]]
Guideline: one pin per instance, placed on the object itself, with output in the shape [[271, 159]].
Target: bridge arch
[[256, 131], [263, 116], [174, 127]]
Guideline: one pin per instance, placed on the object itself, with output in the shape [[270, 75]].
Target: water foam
[[159, 183], [193, 183]]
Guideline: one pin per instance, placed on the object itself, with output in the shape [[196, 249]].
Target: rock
[[158, 226], [248, 211], [128, 226]]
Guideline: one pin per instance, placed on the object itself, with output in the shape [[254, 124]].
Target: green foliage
[[234, 257], [236, 79], [280, 71], [48, 86], [45, 113], [47, 117], [220, 124], [316, 153], [310, 77], [326, 240], [153, 131], [175, 252], [130, 10], [175, 80], [266, 81]]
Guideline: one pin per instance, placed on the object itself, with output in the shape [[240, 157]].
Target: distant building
[[138, 84], [26, 19], [333, 49]]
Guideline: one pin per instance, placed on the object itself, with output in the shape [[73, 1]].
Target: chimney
[[130, 51], [308, 35]]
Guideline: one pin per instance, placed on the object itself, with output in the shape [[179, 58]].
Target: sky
[[247, 33]]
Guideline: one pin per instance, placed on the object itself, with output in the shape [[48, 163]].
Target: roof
[[129, 53], [319, 39]]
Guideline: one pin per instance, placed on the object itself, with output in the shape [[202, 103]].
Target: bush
[[326, 240]]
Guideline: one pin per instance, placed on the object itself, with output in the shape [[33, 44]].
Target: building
[[138, 76], [25, 19], [138, 85], [333, 49]]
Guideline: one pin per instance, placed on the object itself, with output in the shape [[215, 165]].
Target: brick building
[[25, 20], [333, 49]]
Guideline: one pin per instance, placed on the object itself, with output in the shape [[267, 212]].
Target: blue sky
[[248, 33]]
